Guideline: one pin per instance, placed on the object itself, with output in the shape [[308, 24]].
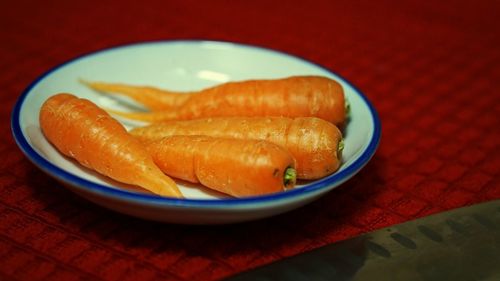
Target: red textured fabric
[[430, 68]]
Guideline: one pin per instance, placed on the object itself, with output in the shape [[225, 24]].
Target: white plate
[[183, 65]]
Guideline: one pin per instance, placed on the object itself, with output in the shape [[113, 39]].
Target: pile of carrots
[[244, 138]]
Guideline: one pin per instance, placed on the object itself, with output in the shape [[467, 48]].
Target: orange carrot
[[151, 97], [314, 143], [296, 96], [232, 166], [81, 130]]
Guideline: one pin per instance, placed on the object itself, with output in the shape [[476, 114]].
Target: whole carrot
[[315, 143], [296, 96], [232, 166], [81, 130]]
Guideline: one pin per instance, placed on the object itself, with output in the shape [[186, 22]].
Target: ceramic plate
[[183, 65]]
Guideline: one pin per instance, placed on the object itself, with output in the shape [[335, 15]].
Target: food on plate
[[315, 143], [295, 96], [239, 167], [242, 138], [83, 131]]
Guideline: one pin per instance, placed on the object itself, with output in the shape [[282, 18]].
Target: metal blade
[[461, 244]]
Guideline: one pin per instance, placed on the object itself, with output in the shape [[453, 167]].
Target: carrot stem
[[347, 109], [290, 177], [340, 146]]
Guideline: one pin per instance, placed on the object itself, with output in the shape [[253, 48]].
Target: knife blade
[[460, 244]]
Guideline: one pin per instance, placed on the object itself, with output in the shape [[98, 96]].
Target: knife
[[461, 244]]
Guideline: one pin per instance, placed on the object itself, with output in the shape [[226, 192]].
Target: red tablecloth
[[431, 70]]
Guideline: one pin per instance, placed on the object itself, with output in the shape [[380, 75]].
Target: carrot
[[232, 166], [151, 97], [81, 130], [315, 143], [296, 96]]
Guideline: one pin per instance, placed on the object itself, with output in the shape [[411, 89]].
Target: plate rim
[[53, 170]]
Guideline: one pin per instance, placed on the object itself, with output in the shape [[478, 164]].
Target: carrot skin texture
[[313, 142], [296, 96], [236, 167], [81, 130]]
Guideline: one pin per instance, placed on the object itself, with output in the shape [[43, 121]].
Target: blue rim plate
[[186, 65]]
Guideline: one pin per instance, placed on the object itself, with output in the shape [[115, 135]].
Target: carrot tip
[[85, 82], [290, 177], [92, 85]]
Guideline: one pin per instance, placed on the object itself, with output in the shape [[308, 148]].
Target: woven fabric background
[[431, 69]]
